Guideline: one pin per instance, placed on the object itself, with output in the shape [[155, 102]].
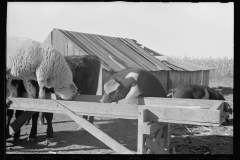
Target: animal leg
[[41, 92], [49, 117], [31, 90], [8, 120], [33, 131], [17, 134]]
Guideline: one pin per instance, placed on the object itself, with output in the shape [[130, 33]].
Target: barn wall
[[194, 77], [162, 76], [206, 75], [65, 46], [58, 41], [175, 78], [48, 40]]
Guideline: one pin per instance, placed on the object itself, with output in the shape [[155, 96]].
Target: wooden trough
[[154, 117]]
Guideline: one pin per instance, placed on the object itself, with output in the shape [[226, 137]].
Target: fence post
[[142, 117]]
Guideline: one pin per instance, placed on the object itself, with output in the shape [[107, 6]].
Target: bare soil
[[185, 139]]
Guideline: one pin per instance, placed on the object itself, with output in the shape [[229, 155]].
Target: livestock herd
[[37, 68]]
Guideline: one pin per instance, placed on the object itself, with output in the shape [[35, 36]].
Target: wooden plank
[[155, 147], [180, 103], [166, 136], [124, 111], [165, 111], [151, 127], [142, 117], [159, 65], [81, 97], [182, 115], [95, 131]]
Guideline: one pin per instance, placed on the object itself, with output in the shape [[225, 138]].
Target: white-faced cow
[[132, 83], [192, 91], [85, 71]]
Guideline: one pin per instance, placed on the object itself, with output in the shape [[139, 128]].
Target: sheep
[[29, 60]]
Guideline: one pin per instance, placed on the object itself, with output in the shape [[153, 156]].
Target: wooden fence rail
[[154, 116]]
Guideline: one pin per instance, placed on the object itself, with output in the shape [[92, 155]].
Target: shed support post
[[142, 117]]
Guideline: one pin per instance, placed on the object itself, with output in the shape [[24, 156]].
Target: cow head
[[113, 91]]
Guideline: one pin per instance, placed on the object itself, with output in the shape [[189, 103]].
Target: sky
[[172, 29]]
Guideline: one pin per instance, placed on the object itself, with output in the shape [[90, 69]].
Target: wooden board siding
[[48, 39], [206, 78], [193, 77], [196, 77], [58, 42], [175, 78]]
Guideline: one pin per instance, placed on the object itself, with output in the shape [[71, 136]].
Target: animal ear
[[73, 86], [111, 86]]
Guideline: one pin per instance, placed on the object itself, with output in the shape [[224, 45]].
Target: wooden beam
[[162, 113], [94, 130], [124, 111], [180, 103], [81, 97], [166, 136], [142, 117], [151, 127], [183, 115]]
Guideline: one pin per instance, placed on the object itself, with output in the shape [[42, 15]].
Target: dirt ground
[[185, 139]]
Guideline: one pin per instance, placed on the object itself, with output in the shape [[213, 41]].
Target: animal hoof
[[31, 139]]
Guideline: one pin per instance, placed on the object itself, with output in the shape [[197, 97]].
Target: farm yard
[[185, 139], [81, 79]]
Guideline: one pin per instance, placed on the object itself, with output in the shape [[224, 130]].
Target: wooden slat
[[124, 111], [179, 102], [81, 97], [161, 109], [166, 136], [151, 127], [183, 115], [158, 64], [95, 131], [142, 117]]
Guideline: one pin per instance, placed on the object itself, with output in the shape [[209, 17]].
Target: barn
[[117, 53]]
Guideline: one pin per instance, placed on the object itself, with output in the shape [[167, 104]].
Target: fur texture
[[132, 83], [31, 60]]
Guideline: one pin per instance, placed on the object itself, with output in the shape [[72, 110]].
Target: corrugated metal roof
[[119, 53], [115, 53]]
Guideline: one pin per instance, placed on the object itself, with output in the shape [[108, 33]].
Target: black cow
[[132, 83], [192, 91], [85, 71], [20, 89]]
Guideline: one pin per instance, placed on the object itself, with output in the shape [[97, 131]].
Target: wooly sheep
[[31, 60]]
